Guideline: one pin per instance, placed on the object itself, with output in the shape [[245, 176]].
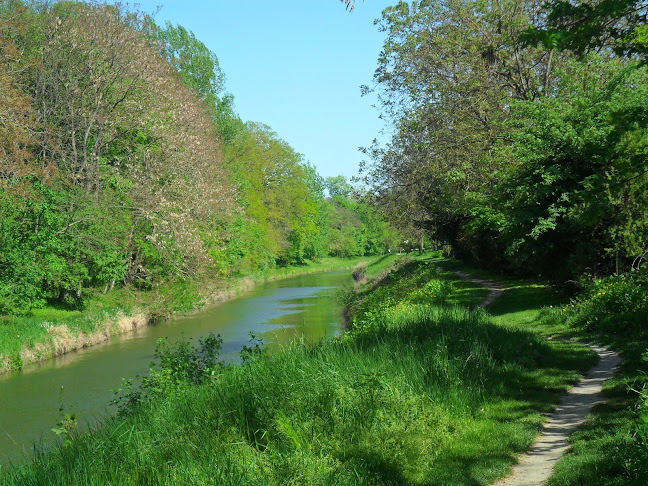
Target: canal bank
[[80, 382], [49, 333], [420, 390]]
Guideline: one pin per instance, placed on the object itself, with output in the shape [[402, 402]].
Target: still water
[[278, 312]]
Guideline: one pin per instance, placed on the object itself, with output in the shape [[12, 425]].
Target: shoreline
[[63, 341]]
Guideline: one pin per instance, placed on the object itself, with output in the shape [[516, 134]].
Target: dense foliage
[[124, 163], [619, 25], [518, 155], [617, 305]]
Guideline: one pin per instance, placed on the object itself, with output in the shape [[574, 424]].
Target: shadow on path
[[536, 466]]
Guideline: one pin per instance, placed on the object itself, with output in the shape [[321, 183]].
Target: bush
[[179, 365], [617, 304], [359, 272]]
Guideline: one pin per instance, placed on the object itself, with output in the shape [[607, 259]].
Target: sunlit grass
[[424, 392], [324, 264], [28, 332]]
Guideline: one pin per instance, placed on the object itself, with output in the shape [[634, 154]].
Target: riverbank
[[51, 332], [425, 388]]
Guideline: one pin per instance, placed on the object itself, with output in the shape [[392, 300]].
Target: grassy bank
[[418, 391], [53, 331], [612, 446]]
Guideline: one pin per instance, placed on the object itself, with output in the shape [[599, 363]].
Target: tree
[[350, 4], [197, 65], [201, 72], [619, 25], [577, 197], [338, 186], [280, 210], [136, 158], [447, 75]]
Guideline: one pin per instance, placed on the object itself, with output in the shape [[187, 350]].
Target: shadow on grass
[[506, 362], [525, 296], [370, 464], [379, 261], [604, 450]]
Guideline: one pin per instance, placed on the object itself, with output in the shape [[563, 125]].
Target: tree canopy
[[124, 163], [516, 153]]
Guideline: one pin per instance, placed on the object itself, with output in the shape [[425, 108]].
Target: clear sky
[[296, 65]]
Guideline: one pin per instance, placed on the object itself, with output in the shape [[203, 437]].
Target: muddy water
[[81, 382]]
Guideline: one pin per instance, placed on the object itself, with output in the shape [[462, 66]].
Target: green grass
[[604, 450], [401, 279], [420, 391], [325, 264], [17, 333]]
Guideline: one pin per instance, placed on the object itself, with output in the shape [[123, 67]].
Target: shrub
[[359, 272], [617, 304], [179, 365]]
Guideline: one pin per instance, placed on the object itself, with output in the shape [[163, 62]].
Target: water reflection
[[277, 312]]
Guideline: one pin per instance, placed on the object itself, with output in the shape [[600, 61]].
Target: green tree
[[620, 25], [447, 75], [115, 168], [201, 72], [280, 208], [577, 197], [338, 186]]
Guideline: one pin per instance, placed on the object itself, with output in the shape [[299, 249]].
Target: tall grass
[[425, 394]]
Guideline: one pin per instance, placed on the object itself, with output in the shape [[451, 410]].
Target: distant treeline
[[523, 148], [123, 162]]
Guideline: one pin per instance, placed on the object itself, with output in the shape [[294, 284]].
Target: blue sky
[[296, 65]]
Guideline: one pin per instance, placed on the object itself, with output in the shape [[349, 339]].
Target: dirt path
[[494, 289], [536, 466]]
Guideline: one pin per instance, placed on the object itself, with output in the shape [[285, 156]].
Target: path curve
[[536, 466], [494, 289]]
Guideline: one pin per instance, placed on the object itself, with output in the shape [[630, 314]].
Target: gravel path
[[536, 466]]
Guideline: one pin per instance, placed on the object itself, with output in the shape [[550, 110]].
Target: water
[[277, 312]]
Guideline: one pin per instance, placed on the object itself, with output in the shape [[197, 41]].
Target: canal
[[81, 382]]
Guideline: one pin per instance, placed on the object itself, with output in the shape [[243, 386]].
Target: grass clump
[[400, 282], [426, 393]]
